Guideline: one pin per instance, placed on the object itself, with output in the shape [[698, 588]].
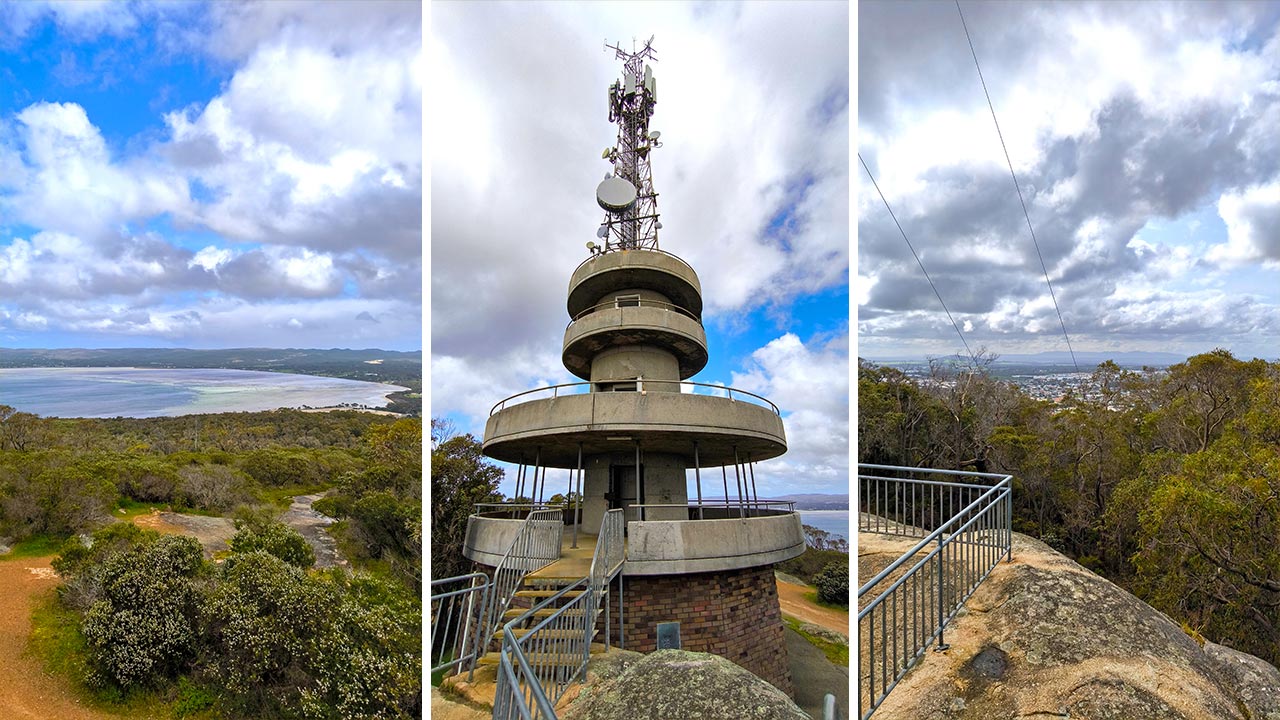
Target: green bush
[[833, 583], [258, 531], [143, 628]]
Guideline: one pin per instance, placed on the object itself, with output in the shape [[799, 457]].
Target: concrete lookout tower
[[639, 439]]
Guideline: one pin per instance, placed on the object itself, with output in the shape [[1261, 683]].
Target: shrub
[[143, 627], [257, 531], [833, 583]]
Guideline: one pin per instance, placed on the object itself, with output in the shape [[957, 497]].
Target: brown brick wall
[[733, 614]]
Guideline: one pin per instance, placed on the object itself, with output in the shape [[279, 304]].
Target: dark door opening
[[622, 488]]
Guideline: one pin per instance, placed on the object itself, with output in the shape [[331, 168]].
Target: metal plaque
[[669, 636]]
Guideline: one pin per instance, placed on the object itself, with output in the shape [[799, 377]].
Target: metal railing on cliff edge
[[965, 530]]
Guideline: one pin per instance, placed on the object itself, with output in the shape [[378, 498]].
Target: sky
[[189, 174], [753, 183], [1144, 138]]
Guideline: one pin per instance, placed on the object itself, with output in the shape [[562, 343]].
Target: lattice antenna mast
[[627, 195]]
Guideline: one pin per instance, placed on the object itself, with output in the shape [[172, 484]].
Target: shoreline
[[58, 392]]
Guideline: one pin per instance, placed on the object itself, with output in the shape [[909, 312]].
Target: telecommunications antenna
[[626, 194]]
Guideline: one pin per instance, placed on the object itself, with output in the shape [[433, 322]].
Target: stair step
[[547, 593], [543, 659], [544, 612], [565, 634]]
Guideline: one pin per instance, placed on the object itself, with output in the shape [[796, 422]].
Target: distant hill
[[817, 501], [1087, 360]]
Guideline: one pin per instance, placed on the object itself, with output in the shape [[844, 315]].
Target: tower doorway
[[622, 488]]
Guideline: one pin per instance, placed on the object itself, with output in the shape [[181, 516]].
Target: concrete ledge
[[658, 271], [614, 422], [592, 334], [488, 538], [674, 547]]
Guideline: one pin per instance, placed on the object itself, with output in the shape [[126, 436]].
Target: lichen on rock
[[679, 685], [1044, 637]]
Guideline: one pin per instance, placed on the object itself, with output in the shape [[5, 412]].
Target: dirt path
[[311, 525], [792, 601], [27, 692]]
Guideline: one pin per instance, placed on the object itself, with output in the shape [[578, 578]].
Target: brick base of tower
[[733, 614]]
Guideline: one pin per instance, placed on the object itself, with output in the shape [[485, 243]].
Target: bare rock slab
[[682, 685]]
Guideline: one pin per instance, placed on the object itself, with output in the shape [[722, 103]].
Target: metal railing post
[[697, 479], [577, 498], [942, 646]]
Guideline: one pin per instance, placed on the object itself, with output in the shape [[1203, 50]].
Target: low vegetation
[[144, 620]]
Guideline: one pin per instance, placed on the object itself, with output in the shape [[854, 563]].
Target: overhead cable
[[917, 257], [1017, 187]]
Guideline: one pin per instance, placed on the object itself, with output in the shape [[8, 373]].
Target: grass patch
[[813, 597], [133, 508], [35, 546], [282, 496], [837, 653]]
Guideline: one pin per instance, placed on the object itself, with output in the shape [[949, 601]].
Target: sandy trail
[[28, 692], [792, 601]]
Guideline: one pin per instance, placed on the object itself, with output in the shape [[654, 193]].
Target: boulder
[[679, 685], [1044, 637]]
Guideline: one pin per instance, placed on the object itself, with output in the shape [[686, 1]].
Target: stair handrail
[[529, 687], [530, 699], [610, 552], [535, 546]]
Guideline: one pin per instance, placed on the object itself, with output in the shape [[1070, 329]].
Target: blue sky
[[210, 174], [753, 191], [1144, 138]]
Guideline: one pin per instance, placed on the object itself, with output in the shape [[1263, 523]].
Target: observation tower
[[664, 465]]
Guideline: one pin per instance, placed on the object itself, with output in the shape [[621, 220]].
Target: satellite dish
[[659, 225], [604, 230], [605, 155], [655, 135], [615, 194], [591, 246]]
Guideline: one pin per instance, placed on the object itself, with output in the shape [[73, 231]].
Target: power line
[[917, 257], [1017, 187]]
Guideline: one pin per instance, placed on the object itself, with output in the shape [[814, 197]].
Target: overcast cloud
[[1144, 139], [753, 183], [280, 207]]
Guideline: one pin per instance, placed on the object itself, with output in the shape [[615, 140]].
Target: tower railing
[[615, 305], [583, 388], [965, 531], [613, 249], [535, 546], [537, 666]]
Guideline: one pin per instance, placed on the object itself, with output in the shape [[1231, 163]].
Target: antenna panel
[[630, 82], [648, 79]]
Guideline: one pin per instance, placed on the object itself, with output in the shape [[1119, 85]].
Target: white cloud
[[810, 384], [1253, 226]]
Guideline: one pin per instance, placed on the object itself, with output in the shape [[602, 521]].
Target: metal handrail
[[640, 302], [448, 609], [640, 384], [529, 683], [535, 546], [554, 638], [492, 507], [972, 536], [653, 250], [764, 504]]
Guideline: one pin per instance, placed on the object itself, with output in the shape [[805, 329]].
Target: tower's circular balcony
[[655, 270], [646, 322], [550, 424], [711, 538]]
